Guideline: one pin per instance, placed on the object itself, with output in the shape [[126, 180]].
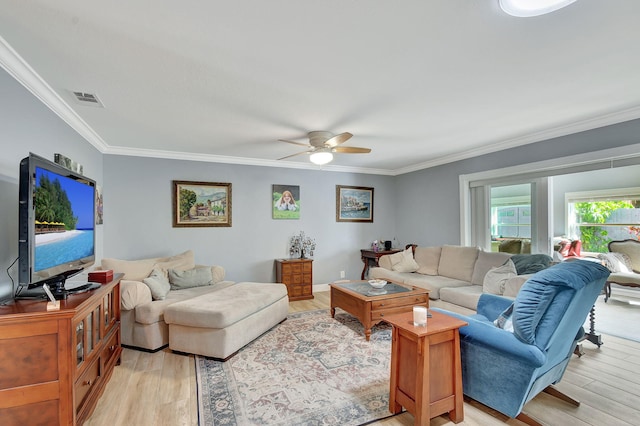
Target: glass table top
[[365, 289]]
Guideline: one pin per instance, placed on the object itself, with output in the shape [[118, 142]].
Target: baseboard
[[320, 287]]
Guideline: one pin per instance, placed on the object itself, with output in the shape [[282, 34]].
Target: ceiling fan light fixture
[[321, 157], [528, 8]]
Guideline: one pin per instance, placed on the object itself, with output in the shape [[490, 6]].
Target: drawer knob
[[381, 315], [112, 347], [382, 304], [87, 383]]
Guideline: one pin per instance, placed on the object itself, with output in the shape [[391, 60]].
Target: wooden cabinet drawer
[[111, 349], [86, 382], [400, 302]]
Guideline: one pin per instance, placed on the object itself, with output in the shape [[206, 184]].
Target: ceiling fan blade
[[338, 139], [295, 143], [296, 154], [350, 150]]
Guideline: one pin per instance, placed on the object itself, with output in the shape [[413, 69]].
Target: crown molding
[[190, 156], [19, 69], [542, 135]]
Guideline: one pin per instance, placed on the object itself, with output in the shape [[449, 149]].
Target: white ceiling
[[419, 82]]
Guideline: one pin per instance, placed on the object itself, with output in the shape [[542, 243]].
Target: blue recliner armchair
[[505, 369]]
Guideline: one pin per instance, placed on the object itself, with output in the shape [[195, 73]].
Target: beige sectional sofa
[[455, 276], [253, 306]]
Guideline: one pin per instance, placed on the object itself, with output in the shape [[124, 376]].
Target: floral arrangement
[[301, 245]]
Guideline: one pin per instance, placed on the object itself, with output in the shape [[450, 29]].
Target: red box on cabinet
[[101, 276]]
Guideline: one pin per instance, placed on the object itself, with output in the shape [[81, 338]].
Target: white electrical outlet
[[342, 274]]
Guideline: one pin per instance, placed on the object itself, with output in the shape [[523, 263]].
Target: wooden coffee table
[[370, 305]]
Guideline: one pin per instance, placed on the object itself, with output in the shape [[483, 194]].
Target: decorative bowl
[[377, 283]]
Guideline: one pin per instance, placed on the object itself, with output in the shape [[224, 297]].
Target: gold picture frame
[[201, 204]]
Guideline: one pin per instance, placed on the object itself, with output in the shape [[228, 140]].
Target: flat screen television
[[56, 225]]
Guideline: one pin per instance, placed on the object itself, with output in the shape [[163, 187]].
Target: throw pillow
[[616, 262], [396, 258], [496, 278], [182, 262], [407, 263], [134, 270], [158, 284], [195, 277], [505, 320]]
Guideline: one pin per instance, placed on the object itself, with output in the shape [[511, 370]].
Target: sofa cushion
[[457, 262], [406, 263], [496, 278], [225, 307], [152, 312], [427, 259], [434, 283], [466, 296], [158, 284], [196, 277], [487, 260], [389, 275]]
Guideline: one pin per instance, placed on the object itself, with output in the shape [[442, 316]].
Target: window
[[511, 211], [598, 217]]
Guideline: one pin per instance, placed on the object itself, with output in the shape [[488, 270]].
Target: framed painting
[[199, 204], [354, 204], [285, 202]]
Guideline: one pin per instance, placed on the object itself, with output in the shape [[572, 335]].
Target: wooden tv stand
[[55, 364]]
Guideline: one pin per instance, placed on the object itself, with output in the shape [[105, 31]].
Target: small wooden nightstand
[[297, 275]]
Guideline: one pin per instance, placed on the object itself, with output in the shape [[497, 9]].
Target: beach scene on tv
[[64, 220]]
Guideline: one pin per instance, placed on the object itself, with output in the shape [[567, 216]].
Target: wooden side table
[[297, 275], [370, 257], [426, 372]]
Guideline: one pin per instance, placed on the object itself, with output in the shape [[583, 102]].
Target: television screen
[[63, 220], [57, 222]]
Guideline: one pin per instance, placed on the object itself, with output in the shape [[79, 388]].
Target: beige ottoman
[[218, 324]]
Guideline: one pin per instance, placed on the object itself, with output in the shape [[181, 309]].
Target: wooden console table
[[54, 365], [426, 371], [370, 257]]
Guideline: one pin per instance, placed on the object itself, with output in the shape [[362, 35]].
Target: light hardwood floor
[[160, 389]]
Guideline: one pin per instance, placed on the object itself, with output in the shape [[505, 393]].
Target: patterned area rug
[[309, 370]]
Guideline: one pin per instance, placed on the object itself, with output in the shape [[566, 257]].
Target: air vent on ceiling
[[88, 99]]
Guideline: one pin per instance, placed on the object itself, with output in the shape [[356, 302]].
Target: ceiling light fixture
[[528, 8], [321, 157]]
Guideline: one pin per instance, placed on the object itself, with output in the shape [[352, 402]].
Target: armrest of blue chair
[[492, 305], [501, 341]]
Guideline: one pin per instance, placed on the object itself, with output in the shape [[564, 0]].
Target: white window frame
[[595, 195], [597, 160]]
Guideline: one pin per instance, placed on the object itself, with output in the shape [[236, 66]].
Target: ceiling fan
[[323, 144]]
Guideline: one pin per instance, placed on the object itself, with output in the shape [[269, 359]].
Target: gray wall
[[27, 125], [138, 216], [428, 200]]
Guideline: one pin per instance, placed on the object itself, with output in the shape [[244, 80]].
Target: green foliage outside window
[[595, 238]]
